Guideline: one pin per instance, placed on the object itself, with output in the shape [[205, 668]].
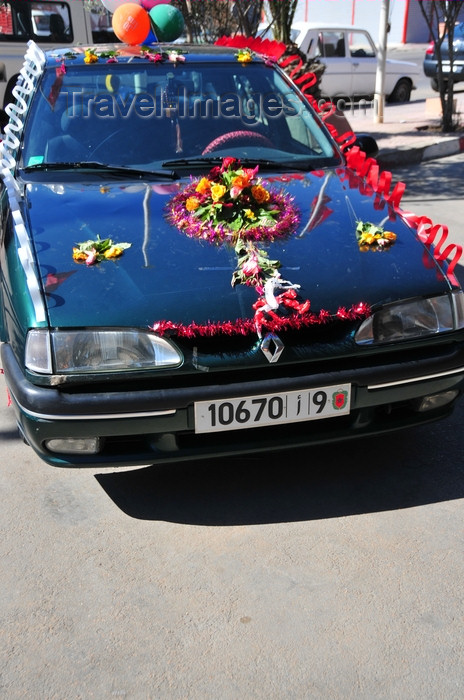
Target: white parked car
[[351, 58]]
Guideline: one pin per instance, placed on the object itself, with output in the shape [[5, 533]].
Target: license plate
[[456, 68], [272, 409]]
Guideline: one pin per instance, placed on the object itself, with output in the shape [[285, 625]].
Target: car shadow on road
[[408, 469], [439, 180], [9, 435], [402, 470]]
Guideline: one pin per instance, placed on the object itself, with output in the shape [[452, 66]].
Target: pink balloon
[[148, 4]]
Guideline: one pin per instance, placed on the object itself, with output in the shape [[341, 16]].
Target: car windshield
[[149, 116]]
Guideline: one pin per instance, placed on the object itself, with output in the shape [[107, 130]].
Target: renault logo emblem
[[272, 347]]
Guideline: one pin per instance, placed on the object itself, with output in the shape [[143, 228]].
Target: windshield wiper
[[107, 167], [247, 162], [179, 162], [276, 164]]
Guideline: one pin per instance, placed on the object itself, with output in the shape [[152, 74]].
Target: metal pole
[[379, 96]]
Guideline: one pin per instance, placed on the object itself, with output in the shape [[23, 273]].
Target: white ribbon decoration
[[34, 62], [274, 283]]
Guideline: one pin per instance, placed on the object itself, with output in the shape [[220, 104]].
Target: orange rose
[[260, 194], [79, 254], [241, 181], [192, 203], [203, 186]]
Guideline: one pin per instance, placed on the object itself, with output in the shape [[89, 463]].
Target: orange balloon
[[131, 23]]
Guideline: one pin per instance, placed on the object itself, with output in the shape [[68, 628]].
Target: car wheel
[[435, 86], [401, 92]]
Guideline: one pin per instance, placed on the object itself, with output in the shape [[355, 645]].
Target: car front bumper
[[144, 427]]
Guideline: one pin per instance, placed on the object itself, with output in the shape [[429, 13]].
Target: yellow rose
[[113, 252], [192, 203], [90, 57], [368, 238], [260, 194], [203, 186], [217, 191], [244, 56]]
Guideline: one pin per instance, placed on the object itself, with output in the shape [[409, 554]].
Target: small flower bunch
[[90, 56], [253, 266], [372, 237], [93, 56], [231, 203], [244, 55], [94, 251], [156, 56]]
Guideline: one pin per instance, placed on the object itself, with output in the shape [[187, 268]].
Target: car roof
[[207, 53], [320, 26]]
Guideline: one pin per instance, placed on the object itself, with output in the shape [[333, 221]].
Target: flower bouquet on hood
[[233, 206], [232, 202]]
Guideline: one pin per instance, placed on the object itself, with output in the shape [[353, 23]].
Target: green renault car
[[192, 266]]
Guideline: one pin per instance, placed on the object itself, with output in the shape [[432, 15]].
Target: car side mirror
[[368, 144]]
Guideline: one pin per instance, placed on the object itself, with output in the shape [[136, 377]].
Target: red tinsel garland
[[272, 323]]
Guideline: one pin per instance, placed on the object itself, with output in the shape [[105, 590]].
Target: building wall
[[415, 27], [406, 21]]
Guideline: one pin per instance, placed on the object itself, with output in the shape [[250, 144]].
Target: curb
[[413, 156]]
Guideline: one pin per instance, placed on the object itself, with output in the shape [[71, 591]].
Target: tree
[[441, 17], [208, 20], [282, 13], [248, 14]]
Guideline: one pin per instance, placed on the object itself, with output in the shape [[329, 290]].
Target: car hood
[[167, 276]]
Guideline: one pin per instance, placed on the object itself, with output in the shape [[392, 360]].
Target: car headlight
[[413, 319], [70, 352]]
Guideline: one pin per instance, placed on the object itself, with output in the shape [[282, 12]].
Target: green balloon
[[167, 22]]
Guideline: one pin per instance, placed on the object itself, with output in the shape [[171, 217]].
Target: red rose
[[227, 162]]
